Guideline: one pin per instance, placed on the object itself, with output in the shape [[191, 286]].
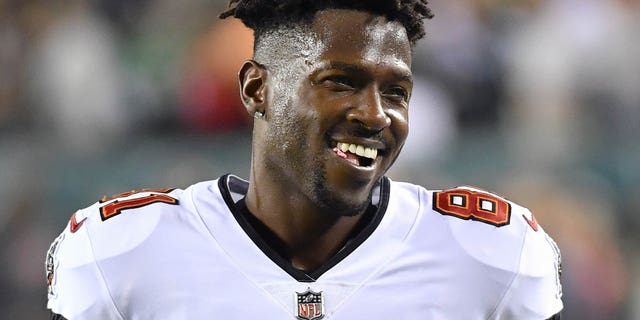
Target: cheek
[[399, 124], [290, 128], [318, 110]]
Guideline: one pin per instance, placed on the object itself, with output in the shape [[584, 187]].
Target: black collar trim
[[234, 189]]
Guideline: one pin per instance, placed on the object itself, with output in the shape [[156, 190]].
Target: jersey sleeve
[[506, 238], [76, 287], [536, 290]]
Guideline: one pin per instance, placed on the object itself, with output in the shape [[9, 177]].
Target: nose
[[369, 111]]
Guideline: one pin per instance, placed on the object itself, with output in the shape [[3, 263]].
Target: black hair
[[265, 15]]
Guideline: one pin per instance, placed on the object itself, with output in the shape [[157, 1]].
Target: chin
[[339, 195], [346, 208], [343, 203]]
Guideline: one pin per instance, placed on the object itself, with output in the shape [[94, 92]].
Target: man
[[317, 231]]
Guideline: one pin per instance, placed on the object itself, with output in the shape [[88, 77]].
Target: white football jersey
[[193, 254]]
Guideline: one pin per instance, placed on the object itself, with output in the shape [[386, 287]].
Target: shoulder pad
[[490, 228], [132, 216], [108, 228]]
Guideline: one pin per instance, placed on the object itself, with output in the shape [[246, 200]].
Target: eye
[[397, 93], [338, 83]]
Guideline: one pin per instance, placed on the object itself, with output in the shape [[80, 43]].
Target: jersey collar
[[234, 189]]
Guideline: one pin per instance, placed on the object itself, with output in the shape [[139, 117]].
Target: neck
[[310, 235]]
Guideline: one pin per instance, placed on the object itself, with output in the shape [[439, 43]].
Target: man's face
[[338, 119]]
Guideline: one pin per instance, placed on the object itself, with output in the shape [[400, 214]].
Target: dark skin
[[353, 87]]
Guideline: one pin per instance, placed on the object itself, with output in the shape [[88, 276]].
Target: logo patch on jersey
[[533, 223], [51, 264], [309, 305], [74, 224]]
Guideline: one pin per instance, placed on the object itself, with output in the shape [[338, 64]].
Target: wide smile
[[359, 155]]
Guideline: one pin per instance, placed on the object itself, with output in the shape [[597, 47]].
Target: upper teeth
[[360, 150]]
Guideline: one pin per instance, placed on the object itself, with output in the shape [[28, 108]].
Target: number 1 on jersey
[[114, 208]]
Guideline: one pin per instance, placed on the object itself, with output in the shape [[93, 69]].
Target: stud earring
[[258, 115]]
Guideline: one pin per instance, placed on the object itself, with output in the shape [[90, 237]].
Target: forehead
[[350, 36]]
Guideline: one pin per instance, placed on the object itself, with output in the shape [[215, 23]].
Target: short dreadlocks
[[264, 15]]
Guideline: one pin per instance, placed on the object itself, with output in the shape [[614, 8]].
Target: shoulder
[[130, 215], [470, 208], [136, 211], [485, 226], [135, 214], [490, 227], [462, 203], [106, 232], [119, 223], [499, 236]]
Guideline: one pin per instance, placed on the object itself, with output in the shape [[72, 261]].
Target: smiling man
[[317, 231]]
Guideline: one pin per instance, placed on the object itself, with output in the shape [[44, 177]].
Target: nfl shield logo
[[309, 305]]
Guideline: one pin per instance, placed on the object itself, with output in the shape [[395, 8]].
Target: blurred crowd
[[537, 100]]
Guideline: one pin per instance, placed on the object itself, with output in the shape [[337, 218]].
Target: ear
[[253, 79]]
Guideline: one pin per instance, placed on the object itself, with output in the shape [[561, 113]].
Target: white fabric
[[194, 261]]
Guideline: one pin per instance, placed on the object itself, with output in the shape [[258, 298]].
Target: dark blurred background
[[537, 100]]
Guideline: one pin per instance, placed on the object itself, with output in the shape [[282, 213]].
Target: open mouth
[[357, 154]]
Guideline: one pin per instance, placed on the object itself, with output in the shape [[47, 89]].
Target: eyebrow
[[403, 75]]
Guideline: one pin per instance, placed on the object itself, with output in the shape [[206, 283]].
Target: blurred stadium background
[[537, 100]]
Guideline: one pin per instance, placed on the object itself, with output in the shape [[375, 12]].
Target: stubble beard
[[334, 203], [301, 168]]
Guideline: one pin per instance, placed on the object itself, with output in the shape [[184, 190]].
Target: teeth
[[370, 153], [360, 150]]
